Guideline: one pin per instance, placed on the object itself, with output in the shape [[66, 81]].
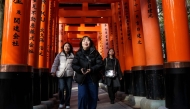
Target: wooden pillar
[[14, 68], [99, 40], [49, 36], [111, 44], [34, 28], [115, 33], [154, 60], [55, 38], [177, 67], [65, 36], [43, 50], [139, 59], [119, 22], [56, 27], [53, 33], [49, 47], [61, 35], [128, 52], [104, 39]]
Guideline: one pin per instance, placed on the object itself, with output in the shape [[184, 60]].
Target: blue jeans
[[65, 83], [87, 94]]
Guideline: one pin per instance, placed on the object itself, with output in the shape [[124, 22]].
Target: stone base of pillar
[[133, 101], [139, 88], [49, 104], [152, 104], [15, 90], [177, 84], [36, 88], [56, 96], [44, 84], [128, 82], [42, 106]]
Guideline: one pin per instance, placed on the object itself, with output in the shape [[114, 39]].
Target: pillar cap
[[44, 70], [138, 68], [154, 67], [177, 64], [13, 68]]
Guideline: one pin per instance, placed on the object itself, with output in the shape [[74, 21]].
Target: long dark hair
[[71, 48], [84, 37], [108, 53]]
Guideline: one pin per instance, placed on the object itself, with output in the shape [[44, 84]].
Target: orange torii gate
[[29, 47]]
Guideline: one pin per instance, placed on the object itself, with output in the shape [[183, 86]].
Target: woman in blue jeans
[[62, 68], [87, 65]]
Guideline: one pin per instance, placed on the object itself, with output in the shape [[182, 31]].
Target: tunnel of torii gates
[[33, 32]]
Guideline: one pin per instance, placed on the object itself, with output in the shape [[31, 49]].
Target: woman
[[87, 64], [113, 83], [63, 62]]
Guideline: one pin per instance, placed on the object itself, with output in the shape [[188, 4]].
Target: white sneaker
[[60, 106], [67, 107]]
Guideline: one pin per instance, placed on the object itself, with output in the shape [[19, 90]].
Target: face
[[85, 43], [111, 52], [66, 48]]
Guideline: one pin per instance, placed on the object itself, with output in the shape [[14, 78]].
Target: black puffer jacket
[[80, 61]]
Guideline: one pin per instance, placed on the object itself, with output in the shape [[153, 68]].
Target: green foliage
[[161, 24]]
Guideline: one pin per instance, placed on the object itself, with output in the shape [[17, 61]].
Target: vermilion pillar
[[104, 39], [49, 47], [115, 33], [15, 77], [56, 23], [50, 31], [34, 30], [139, 58], [119, 22], [53, 33], [43, 34], [42, 65], [61, 35], [177, 67], [54, 40], [111, 44], [128, 52], [154, 60], [99, 41]]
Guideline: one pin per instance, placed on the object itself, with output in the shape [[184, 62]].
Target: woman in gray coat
[[113, 83], [62, 68]]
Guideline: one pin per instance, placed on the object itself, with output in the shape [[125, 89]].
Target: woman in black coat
[[113, 83], [87, 63]]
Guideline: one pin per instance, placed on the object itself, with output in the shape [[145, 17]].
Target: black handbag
[[79, 78]]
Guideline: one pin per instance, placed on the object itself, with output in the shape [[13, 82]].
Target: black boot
[[112, 102]]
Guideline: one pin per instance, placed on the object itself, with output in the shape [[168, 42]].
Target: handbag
[[110, 73]]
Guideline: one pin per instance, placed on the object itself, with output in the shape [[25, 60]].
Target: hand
[[88, 70], [120, 78], [82, 70], [85, 72]]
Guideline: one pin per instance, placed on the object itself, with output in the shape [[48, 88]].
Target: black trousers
[[111, 91]]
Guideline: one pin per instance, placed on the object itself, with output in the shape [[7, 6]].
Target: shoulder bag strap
[[89, 60]]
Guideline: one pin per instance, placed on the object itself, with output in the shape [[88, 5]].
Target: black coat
[[110, 66], [80, 61]]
